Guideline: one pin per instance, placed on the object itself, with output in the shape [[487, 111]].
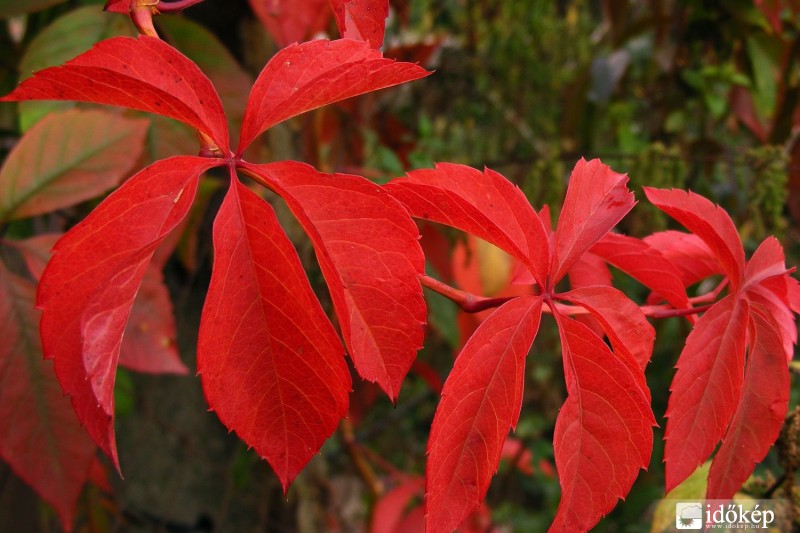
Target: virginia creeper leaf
[[36, 251], [305, 76], [480, 403], [66, 158], [760, 413], [290, 21], [706, 388], [272, 366], [120, 71], [484, 204], [589, 271], [369, 253], [41, 438], [88, 287], [646, 265], [597, 198], [603, 433], [709, 222], [687, 252], [362, 20]]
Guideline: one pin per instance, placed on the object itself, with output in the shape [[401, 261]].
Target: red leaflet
[[290, 21], [588, 271], [709, 222], [41, 438], [484, 204], [603, 434], [480, 403], [597, 199], [89, 285], [362, 20], [706, 388], [305, 76], [645, 264], [687, 252], [369, 253], [760, 413], [271, 363], [121, 71]]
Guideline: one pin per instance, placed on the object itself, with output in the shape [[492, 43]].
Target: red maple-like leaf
[[480, 401], [363, 20], [88, 289], [717, 392]]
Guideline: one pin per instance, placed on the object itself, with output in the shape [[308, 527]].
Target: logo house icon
[[689, 515]]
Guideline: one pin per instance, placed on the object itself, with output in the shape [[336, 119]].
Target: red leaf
[[627, 328], [305, 76], [36, 251], [706, 388], [760, 412], [290, 21], [687, 252], [88, 152], [480, 403], [272, 366], [766, 262], [520, 457], [603, 434], [709, 222], [369, 253], [484, 204], [391, 508], [597, 198], [645, 264], [362, 20], [41, 440], [120, 71], [89, 285]]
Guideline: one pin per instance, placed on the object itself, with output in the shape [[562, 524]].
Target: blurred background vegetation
[[677, 93]]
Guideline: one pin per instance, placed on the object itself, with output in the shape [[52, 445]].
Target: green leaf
[[66, 158], [67, 37]]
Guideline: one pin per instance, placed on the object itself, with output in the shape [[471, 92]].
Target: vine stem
[[364, 469], [472, 303]]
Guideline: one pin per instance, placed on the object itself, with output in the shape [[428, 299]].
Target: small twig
[[368, 476]]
